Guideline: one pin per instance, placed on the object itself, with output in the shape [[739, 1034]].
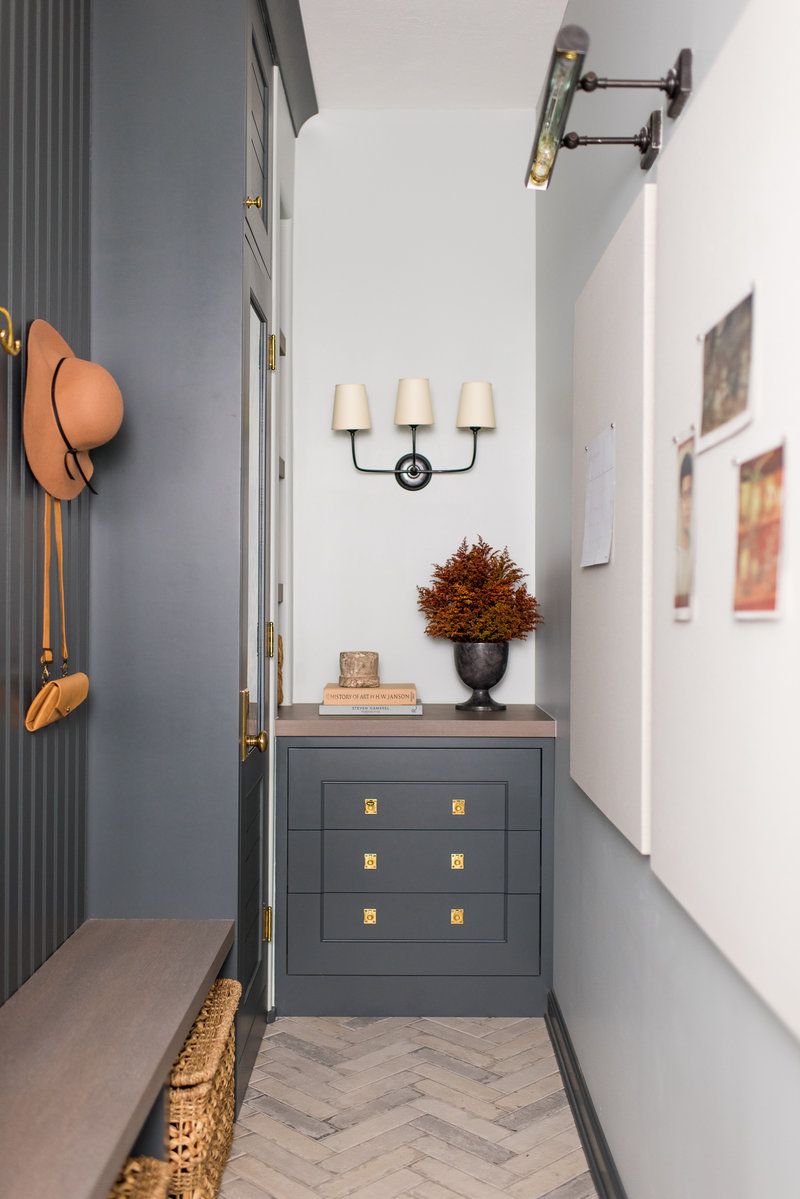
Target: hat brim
[[44, 445]]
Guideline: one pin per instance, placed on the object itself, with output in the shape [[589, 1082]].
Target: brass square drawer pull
[[459, 807], [370, 861], [370, 807], [456, 915], [370, 915], [456, 861]]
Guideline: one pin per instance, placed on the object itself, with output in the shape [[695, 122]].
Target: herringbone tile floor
[[363, 1108]]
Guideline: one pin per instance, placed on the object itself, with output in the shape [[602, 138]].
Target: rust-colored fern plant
[[478, 595]]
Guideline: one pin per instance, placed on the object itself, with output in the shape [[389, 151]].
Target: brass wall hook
[[11, 345]]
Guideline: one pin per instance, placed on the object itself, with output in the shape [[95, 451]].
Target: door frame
[[257, 291]]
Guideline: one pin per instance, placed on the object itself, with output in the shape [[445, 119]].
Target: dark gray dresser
[[414, 863]]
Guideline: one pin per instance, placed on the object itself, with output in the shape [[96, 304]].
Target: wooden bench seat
[[87, 1044]]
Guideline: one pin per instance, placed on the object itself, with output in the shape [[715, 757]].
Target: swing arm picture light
[[413, 409], [564, 79]]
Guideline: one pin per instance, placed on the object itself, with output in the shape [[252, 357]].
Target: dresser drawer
[[378, 916], [413, 934], [409, 787], [408, 861], [390, 805]]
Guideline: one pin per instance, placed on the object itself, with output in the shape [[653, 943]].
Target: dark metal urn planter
[[481, 665]]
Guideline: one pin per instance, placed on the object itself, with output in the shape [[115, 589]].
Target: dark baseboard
[[604, 1172], [272, 1015]]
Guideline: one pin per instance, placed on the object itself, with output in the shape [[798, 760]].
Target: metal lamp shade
[[561, 83]]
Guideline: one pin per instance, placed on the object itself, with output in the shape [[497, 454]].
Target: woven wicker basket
[[201, 1097], [142, 1178]]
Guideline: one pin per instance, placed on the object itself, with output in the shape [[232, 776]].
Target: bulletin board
[[611, 604], [726, 692]]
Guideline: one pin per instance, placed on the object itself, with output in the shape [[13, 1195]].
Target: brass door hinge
[[266, 924], [272, 352], [271, 640], [244, 710]]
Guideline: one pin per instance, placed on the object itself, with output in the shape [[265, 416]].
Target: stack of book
[[387, 699]]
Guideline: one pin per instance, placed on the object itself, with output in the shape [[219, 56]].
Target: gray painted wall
[[167, 188], [696, 1083], [44, 272]]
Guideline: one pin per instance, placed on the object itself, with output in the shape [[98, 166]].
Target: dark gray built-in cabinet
[[414, 876], [181, 137]]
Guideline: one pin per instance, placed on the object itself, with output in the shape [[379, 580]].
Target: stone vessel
[[358, 668], [481, 665]]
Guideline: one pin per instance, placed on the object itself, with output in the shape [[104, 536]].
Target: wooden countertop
[[437, 720], [87, 1043]]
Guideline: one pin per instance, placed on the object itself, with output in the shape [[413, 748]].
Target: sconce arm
[[677, 83], [647, 141], [416, 458], [366, 470], [460, 470]]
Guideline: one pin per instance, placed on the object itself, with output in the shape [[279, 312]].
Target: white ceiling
[[430, 53]]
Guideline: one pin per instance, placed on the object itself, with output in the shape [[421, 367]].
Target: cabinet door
[[258, 168]]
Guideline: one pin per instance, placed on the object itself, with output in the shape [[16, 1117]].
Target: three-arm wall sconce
[[413, 409], [564, 79]]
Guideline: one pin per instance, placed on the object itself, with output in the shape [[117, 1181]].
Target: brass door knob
[[253, 202], [260, 742]]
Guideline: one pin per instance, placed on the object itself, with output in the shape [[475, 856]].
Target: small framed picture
[[727, 354], [760, 534], [684, 531]]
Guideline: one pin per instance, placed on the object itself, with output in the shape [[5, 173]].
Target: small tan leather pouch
[[57, 699]]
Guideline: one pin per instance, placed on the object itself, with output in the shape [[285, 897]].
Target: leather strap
[[60, 561], [47, 652], [51, 505]]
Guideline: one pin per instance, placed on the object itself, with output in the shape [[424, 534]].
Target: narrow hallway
[[372, 1108]]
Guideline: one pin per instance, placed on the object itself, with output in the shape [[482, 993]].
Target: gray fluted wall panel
[[44, 271]]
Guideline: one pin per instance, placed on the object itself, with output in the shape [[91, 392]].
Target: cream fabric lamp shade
[[350, 407], [476, 406], [414, 405]]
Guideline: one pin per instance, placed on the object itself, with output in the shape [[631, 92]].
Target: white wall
[[414, 255], [695, 1080], [726, 818], [611, 623]]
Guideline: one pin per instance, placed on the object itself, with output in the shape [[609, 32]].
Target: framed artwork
[[684, 528], [758, 547], [727, 353]]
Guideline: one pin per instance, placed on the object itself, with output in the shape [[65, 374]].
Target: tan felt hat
[[71, 406]]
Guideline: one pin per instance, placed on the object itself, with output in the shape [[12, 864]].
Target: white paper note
[[598, 518]]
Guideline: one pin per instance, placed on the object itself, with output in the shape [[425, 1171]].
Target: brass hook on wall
[[7, 340]]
